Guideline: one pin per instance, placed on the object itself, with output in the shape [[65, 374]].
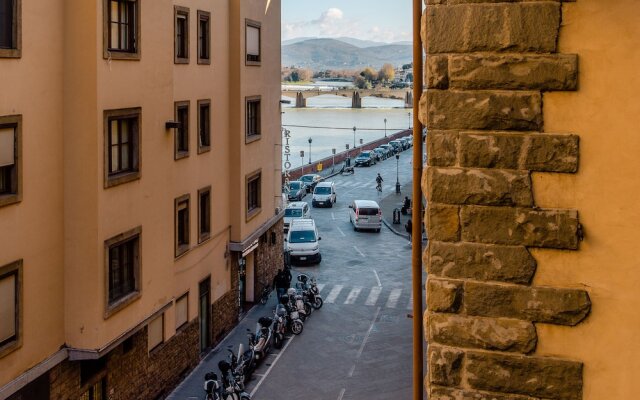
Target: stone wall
[[488, 65], [133, 372]]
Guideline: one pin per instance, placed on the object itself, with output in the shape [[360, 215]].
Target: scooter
[[310, 290], [293, 321], [212, 386], [232, 387], [296, 301], [262, 339]]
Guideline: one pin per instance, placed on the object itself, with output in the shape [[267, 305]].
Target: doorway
[[204, 313]]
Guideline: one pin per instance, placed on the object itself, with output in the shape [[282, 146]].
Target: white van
[[295, 210], [302, 241], [324, 194], [365, 214]]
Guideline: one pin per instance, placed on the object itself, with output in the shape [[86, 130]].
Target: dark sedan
[[297, 190]]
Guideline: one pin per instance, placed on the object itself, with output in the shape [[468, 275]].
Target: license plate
[[303, 258], [321, 202]]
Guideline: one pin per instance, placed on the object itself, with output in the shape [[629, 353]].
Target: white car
[[324, 195], [365, 214], [302, 241], [295, 210]]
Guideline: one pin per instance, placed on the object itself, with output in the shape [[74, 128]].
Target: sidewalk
[[393, 201]]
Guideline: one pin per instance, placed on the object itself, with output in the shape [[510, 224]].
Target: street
[[358, 345]]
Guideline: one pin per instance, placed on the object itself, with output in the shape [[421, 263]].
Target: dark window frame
[[134, 171], [253, 196], [182, 132], [180, 12], [114, 53], [204, 218], [115, 304], [15, 51], [204, 38], [204, 127], [253, 130], [182, 246], [15, 342], [252, 59], [15, 173]]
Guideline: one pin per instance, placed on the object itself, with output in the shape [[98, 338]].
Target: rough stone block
[[445, 393], [482, 150], [443, 222], [551, 153], [445, 365], [521, 27], [531, 376], [490, 110], [482, 333], [514, 71], [479, 186], [442, 148], [520, 226], [437, 72], [443, 295], [536, 304], [480, 262]]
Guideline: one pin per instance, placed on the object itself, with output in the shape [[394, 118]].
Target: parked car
[[303, 241], [365, 214], [295, 210], [365, 158], [397, 146], [324, 194], [297, 190], [382, 153], [311, 180], [405, 142], [388, 148]]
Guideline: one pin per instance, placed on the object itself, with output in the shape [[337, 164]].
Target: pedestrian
[[406, 206], [409, 228], [280, 283], [287, 275]]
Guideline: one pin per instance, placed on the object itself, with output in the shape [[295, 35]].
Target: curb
[[388, 225]]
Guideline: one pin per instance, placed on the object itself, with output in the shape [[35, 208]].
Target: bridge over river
[[356, 95]]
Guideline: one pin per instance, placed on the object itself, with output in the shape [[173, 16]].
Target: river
[[328, 121]]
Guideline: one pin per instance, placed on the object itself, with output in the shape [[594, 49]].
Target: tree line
[[362, 78]]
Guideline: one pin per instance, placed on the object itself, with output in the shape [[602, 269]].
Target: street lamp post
[[354, 137], [348, 160], [310, 150], [397, 174], [385, 127], [333, 163], [409, 119], [301, 162]]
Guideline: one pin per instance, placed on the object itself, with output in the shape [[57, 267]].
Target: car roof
[[309, 175], [301, 224], [325, 183], [296, 204], [366, 203]]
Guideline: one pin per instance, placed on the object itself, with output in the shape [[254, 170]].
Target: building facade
[[140, 199], [532, 215]]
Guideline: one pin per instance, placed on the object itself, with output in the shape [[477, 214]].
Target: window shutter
[[156, 332], [253, 40], [7, 307], [7, 146], [182, 310]]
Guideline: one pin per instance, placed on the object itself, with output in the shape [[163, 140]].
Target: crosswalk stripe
[[320, 287], [392, 301], [353, 295], [410, 304], [373, 296], [333, 295]]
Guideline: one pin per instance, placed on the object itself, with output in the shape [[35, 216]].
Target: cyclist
[[379, 181]]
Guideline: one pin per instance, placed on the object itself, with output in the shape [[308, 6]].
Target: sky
[[377, 20]]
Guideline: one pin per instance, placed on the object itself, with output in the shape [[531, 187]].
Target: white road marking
[[333, 295], [341, 393], [377, 278], [271, 366], [373, 296], [359, 252], [320, 287], [351, 371], [333, 216], [340, 230], [410, 305], [353, 295], [392, 301], [366, 337]]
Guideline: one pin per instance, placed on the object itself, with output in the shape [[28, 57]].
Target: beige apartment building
[[139, 188]]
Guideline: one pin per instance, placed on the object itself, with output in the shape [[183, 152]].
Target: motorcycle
[[232, 387], [211, 386], [293, 321], [242, 364], [279, 325], [310, 290], [296, 300], [260, 341]]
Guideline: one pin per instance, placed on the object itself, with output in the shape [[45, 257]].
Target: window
[[10, 307], [182, 310], [253, 119], [155, 332], [204, 126], [182, 225], [181, 40], [204, 38], [10, 159], [204, 214], [10, 28], [182, 132], [123, 269], [253, 194], [121, 146], [121, 36], [97, 391], [252, 33]]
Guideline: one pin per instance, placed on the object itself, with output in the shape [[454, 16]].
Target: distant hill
[[321, 54]]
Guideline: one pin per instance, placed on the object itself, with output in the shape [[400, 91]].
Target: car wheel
[[378, 230], [330, 205], [355, 228]]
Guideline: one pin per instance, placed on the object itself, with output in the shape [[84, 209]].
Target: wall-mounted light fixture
[[173, 125]]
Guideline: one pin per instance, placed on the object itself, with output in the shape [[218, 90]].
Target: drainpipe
[[416, 213]]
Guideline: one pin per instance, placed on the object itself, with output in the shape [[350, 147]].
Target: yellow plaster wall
[[605, 112]]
